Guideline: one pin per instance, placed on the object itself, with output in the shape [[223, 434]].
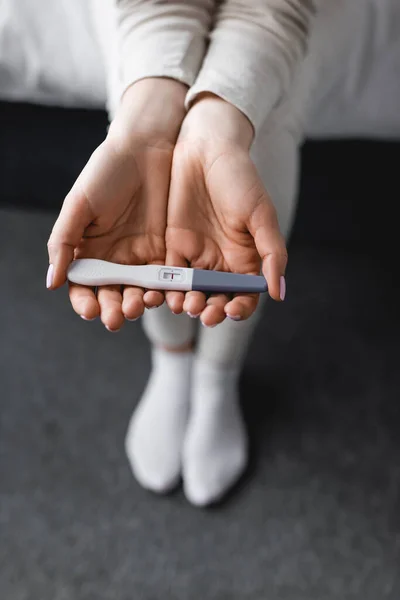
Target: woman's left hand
[[220, 216]]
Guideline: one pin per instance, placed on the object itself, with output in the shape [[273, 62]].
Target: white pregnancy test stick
[[93, 272]]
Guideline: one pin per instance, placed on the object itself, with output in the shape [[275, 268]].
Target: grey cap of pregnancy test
[[218, 281]]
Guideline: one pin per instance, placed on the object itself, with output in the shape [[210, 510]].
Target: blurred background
[[317, 515]]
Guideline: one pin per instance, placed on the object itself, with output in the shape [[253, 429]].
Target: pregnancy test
[[93, 272]]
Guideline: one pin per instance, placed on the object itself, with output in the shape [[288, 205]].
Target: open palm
[[220, 217], [116, 211]]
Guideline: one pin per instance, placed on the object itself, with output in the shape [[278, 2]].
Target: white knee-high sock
[[215, 447], [157, 427]]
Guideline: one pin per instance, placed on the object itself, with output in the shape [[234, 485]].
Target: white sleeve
[[162, 38], [255, 48]]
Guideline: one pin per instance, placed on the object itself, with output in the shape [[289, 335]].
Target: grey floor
[[318, 515]]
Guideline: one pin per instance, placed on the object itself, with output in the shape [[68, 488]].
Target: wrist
[[213, 118], [151, 109]]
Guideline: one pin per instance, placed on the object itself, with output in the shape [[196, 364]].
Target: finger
[[241, 307], [270, 244], [214, 312], [110, 301], [67, 232], [195, 303], [175, 300], [132, 303], [84, 301], [274, 267], [153, 299]]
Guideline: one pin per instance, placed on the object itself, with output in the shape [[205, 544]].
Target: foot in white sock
[[155, 434], [215, 449]]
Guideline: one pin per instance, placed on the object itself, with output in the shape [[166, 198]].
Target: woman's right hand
[[117, 208]]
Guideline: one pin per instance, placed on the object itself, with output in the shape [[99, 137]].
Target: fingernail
[[282, 288], [132, 320], [49, 276], [111, 330], [192, 316], [87, 319], [208, 326], [234, 317]]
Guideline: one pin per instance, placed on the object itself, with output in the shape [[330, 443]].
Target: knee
[[168, 330], [276, 156]]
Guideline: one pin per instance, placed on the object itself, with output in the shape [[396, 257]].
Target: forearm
[[151, 109], [254, 52], [162, 38]]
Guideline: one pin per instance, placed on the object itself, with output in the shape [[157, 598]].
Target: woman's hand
[[220, 216], [117, 208]]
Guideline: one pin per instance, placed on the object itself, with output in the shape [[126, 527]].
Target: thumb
[[263, 226], [67, 232], [174, 258]]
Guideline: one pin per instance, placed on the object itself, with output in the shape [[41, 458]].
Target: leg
[[156, 430], [215, 446]]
